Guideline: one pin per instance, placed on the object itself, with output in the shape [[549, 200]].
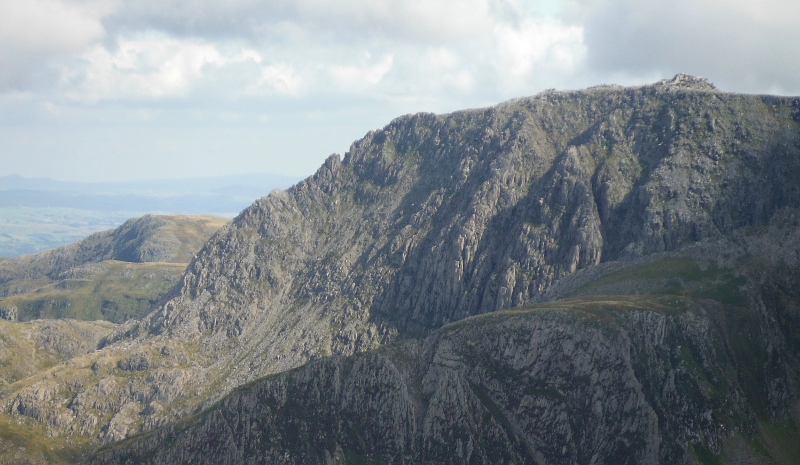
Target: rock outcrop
[[9, 313]]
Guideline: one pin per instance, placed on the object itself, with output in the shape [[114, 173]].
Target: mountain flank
[[436, 218], [29, 348], [687, 356], [599, 276]]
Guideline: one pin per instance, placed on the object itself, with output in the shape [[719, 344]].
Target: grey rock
[[590, 382], [8, 313], [134, 362]]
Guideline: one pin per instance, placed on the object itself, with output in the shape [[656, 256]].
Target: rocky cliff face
[[438, 218], [688, 356]]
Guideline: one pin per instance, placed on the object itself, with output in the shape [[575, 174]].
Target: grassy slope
[[192, 231], [26, 442], [30, 348], [674, 275], [112, 290], [18, 355]]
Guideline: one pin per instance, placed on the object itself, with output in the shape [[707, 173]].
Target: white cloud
[[248, 54], [533, 44], [497, 43], [32, 32], [441, 69], [442, 58], [534, 54], [149, 67], [359, 75], [410, 50], [415, 20], [279, 78], [740, 45], [288, 65]]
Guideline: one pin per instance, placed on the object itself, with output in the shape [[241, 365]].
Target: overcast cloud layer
[[112, 90]]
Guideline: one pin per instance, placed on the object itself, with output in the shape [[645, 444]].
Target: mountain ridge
[[434, 220]]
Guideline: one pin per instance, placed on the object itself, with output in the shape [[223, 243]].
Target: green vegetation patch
[[705, 456], [596, 308], [782, 441], [18, 357], [28, 348], [112, 291], [354, 458], [683, 276], [25, 441]]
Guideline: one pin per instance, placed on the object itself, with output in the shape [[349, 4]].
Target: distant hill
[[112, 275], [38, 213]]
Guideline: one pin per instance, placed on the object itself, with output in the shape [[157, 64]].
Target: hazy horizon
[[42, 213], [26, 179]]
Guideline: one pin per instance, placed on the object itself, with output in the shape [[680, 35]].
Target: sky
[[112, 90]]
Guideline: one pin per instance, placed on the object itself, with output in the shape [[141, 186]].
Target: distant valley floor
[[26, 230]]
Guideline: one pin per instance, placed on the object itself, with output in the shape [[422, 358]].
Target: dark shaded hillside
[[666, 377]]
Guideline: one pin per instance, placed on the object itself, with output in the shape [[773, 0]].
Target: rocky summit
[[599, 276]]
